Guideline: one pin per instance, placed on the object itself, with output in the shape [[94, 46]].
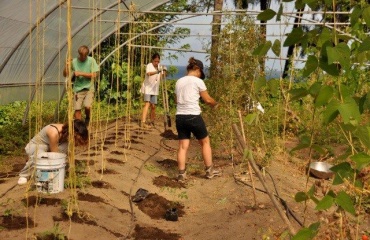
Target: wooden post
[[259, 175]]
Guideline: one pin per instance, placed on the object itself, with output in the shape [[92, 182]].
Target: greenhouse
[[192, 119]]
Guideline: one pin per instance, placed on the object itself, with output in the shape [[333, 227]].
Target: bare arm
[[208, 99], [53, 136]]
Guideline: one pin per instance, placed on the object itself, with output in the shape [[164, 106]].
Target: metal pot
[[321, 170]]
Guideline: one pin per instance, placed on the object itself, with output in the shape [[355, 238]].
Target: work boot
[[211, 172]]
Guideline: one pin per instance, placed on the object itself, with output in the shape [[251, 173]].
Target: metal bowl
[[321, 170]]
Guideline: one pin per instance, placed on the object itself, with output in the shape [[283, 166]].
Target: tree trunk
[[216, 29]]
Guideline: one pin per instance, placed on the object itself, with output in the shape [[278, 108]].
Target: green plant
[[55, 233]]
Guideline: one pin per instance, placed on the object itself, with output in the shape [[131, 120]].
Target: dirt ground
[[123, 160]]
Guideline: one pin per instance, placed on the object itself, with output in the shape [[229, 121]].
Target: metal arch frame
[[61, 46]]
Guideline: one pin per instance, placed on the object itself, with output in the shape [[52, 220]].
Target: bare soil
[[122, 158]]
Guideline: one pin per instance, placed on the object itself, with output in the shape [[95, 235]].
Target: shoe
[[22, 181], [145, 125], [181, 177], [211, 172]]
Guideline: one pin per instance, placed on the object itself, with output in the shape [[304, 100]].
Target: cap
[[200, 65]]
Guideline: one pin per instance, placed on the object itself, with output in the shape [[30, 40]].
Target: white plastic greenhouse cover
[[33, 40]]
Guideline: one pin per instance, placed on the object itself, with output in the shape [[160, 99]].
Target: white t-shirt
[[187, 91], [151, 83]]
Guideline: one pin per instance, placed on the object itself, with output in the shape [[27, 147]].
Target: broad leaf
[[273, 85], [340, 53], [365, 45], [324, 37], [311, 64], [297, 93], [325, 94], [294, 37], [366, 16], [363, 133], [355, 15], [349, 112], [331, 69], [331, 111], [266, 15], [315, 89], [262, 50], [342, 171], [260, 83], [280, 12], [276, 47], [361, 159], [305, 234], [311, 3], [325, 203], [345, 202], [301, 197], [250, 118]]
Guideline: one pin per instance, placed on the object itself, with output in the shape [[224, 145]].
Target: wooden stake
[[259, 175]]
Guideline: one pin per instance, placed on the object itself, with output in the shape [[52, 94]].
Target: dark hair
[[83, 49], [156, 55], [79, 128], [195, 64]]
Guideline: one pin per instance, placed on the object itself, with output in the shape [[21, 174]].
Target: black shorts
[[187, 124]]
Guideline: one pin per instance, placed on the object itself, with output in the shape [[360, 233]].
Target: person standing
[[188, 90], [85, 71], [52, 138], [150, 88]]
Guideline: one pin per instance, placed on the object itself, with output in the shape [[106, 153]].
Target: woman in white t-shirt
[[150, 88], [188, 90]]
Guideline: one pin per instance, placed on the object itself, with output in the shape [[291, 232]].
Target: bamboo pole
[[259, 175]]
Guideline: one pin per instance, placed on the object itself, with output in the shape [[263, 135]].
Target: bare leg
[[145, 111], [181, 154], [152, 112], [205, 143]]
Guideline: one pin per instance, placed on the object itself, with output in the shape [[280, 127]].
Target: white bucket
[[50, 172]]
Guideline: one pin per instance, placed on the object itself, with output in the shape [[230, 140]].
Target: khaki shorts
[[84, 97]]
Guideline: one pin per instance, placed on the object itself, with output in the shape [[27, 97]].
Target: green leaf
[[331, 69], [250, 118], [365, 45], [266, 15], [311, 64], [361, 159], [300, 146], [280, 12], [331, 111], [324, 37], [273, 85], [304, 234], [299, 5], [340, 53], [325, 94], [311, 3], [259, 84], [276, 47], [301, 197], [325, 203], [345, 202], [349, 112], [294, 37], [342, 171], [355, 15], [363, 133], [297, 93], [315, 89], [344, 91], [262, 50], [366, 16]]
